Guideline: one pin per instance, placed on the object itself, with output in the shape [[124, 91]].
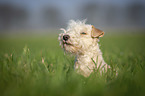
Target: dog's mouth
[[67, 43]]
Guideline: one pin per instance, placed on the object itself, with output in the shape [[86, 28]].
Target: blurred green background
[[37, 66], [33, 64]]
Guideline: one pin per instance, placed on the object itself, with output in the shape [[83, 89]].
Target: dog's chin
[[70, 48]]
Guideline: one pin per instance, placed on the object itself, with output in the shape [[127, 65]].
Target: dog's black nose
[[66, 37]]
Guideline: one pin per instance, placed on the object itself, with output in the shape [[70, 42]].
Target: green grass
[[38, 67]]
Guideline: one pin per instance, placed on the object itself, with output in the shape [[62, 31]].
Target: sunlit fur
[[83, 46]]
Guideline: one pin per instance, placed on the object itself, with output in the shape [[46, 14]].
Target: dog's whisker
[[63, 30]]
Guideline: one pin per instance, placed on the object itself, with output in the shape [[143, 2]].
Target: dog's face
[[79, 37]]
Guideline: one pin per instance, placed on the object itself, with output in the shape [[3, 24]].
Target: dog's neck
[[85, 61], [90, 53]]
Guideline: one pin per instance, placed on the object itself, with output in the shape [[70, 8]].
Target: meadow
[[37, 66]]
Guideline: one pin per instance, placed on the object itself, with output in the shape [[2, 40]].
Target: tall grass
[[38, 67]]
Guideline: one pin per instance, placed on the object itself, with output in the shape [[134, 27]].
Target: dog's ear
[[95, 33]]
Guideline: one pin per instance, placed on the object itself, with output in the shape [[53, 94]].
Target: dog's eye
[[83, 33]]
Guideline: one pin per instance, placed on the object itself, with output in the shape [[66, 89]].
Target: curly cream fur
[[83, 46]]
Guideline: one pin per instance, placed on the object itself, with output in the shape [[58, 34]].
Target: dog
[[82, 40]]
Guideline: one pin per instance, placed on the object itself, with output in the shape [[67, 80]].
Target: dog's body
[[82, 40]]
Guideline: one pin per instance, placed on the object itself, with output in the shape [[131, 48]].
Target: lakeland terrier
[[82, 40]]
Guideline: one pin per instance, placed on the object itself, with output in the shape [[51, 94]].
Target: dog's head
[[78, 37]]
